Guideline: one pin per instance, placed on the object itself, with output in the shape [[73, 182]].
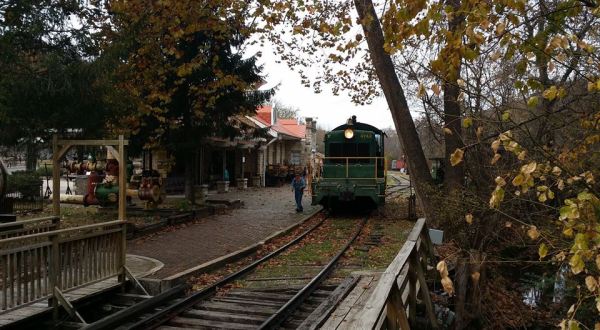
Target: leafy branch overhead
[[524, 76], [185, 68]]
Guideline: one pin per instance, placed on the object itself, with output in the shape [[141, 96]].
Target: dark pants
[[298, 196]]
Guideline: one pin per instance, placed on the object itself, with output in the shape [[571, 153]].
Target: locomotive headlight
[[348, 133]]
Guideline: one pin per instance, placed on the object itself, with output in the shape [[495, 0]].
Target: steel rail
[[113, 321], [169, 312], [395, 189], [286, 310]]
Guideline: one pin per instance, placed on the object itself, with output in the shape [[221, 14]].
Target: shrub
[[24, 182]]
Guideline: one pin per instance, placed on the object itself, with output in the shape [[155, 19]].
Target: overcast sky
[[330, 110]]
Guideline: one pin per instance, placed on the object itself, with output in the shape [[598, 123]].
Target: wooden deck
[[74, 295], [140, 267], [345, 312]]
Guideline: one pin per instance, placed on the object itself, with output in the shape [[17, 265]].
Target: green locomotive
[[353, 168]]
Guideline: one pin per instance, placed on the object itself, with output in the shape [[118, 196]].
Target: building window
[[295, 158]]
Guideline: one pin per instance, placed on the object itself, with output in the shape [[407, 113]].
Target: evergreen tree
[[186, 71], [48, 80]]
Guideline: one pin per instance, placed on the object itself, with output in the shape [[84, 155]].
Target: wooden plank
[[402, 279], [237, 308], [18, 273], [54, 274], [22, 248], [248, 302], [67, 306], [12, 280], [104, 258], [259, 296], [322, 312], [46, 271], [224, 316], [96, 261], [122, 207], [416, 231], [339, 314], [11, 228], [72, 143], [189, 322], [425, 295], [5, 271], [67, 262], [35, 275], [55, 176], [122, 179], [86, 260], [396, 314], [25, 256], [369, 316], [64, 231], [376, 302], [23, 223], [412, 296], [321, 293], [93, 233], [79, 262]]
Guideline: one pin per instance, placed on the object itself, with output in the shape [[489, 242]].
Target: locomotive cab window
[[349, 150], [335, 150], [379, 141]]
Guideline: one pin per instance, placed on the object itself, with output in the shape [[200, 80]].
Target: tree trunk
[[189, 177], [396, 100], [31, 157], [462, 280], [477, 265], [454, 175]]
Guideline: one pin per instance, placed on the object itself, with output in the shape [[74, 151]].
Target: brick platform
[[265, 211]]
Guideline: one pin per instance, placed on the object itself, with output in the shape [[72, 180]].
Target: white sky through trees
[[330, 110]]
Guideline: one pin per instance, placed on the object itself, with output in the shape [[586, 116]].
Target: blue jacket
[[298, 185]]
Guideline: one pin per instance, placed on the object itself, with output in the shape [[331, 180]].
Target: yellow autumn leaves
[[457, 157], [442, 268]]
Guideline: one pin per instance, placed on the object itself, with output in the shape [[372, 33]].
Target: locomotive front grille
[[346, 195]]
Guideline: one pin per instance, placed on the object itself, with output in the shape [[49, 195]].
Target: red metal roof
[[290, 127], [263, 114], [284, 126]]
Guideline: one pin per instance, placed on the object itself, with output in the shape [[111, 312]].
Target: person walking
[[298, 185]]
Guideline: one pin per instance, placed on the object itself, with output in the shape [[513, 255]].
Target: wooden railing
[[392, 305], [28, 227], [41, 265]]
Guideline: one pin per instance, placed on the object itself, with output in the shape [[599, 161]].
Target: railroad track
[[401, 185], [298, 306]]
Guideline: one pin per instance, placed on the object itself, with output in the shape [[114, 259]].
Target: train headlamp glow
[[348, 133]]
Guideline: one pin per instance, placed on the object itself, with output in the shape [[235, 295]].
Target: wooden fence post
[[122, 254], [122, 206], [412, 293], [424, 291], [54, 274], [396, 313], [55, 176]]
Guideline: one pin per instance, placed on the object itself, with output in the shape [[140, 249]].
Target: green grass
[[395, 234], [78, 215], [306, 259]]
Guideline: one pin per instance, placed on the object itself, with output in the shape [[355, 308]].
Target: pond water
[[542, 289]]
